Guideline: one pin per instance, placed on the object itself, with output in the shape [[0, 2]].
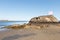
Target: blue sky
[[26, 9]]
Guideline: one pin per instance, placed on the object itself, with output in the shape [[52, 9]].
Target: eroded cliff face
[[47, 18], [43, 21]]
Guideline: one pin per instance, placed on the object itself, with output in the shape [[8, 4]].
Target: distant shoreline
[[13, 21]]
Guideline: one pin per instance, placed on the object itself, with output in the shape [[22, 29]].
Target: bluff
[[43, 21], [38, 22], [46, 18]]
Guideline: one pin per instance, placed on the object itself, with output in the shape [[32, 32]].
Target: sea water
[[3, 23]]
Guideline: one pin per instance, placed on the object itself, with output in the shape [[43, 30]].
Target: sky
[[27, 9]]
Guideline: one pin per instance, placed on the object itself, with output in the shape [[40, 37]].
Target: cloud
[[50, 13]]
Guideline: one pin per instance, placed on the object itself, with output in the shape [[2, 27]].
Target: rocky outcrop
[[37, 22], [43, 21], [47, 18], [16, 26]]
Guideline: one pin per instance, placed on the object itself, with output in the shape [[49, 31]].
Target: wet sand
[[51, 33]]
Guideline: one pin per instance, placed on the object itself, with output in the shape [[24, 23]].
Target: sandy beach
[[29, 20], [51, 33]]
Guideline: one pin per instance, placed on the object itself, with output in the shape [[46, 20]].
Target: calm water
[[2, 24]]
